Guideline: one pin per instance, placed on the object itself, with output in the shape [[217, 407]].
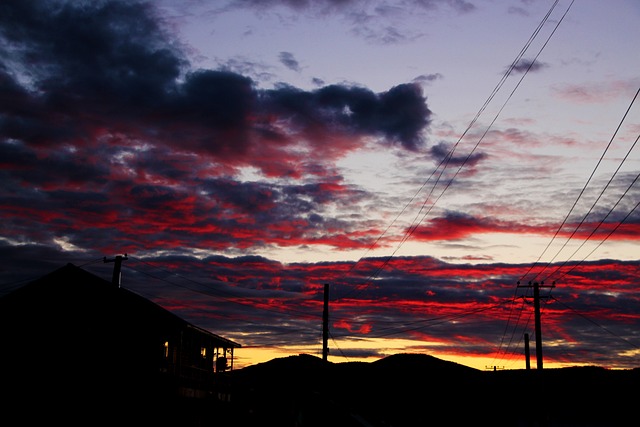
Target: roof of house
[[79, 296]]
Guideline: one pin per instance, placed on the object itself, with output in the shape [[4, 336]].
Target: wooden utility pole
[[536, 306], [117, 268], [325, 324], [526, 352]]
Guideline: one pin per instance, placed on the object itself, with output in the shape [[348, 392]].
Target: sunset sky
[[420, 157]]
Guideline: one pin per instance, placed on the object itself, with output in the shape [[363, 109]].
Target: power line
[[515, 327], [229, 298], [590, 210], [580, 195], [603, 240], [445, 161], [424, 323], [597, 324], [598, 226], [412, 230]]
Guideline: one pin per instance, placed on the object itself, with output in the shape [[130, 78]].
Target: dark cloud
[[118, 143], [441, 152], [399, 114], [110, 66], [289, 61], [98, 52], [527, 65], [221, 100], [428, 78]]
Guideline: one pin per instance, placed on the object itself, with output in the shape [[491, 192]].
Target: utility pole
[[536, 306], [526, 352], [117, 268], [325, 324]]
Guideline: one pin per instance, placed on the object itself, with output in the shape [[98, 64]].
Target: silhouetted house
[[74, 338]]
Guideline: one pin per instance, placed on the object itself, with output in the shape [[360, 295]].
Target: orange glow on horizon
[[247, 356]]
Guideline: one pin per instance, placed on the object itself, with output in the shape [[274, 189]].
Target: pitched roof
[[76, 295]]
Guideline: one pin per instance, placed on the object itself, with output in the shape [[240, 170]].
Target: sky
[[429, 160]]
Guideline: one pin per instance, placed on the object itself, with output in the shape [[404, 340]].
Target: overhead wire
[[423, 323], [496, 117], [227, 297], [514, 329], [588, 213], [602, 156], [593, 206], [220, 294], [486, 131], [600, 223], [603, 240], [588, 319], [445, 162]]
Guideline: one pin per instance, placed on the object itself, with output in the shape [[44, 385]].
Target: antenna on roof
[[117, 268]]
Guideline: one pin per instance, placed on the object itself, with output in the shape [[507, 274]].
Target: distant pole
[[526, 352], [117, 268], [325, 324]]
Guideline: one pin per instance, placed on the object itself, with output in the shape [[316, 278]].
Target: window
[[166, 349], [203, 352]]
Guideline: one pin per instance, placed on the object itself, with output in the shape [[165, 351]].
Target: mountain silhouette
[[417, 389]]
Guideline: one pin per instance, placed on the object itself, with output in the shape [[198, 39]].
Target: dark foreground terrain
[[304, 391], [420, 390]]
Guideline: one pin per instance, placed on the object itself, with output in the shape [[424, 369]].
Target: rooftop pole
[[117, 268]]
